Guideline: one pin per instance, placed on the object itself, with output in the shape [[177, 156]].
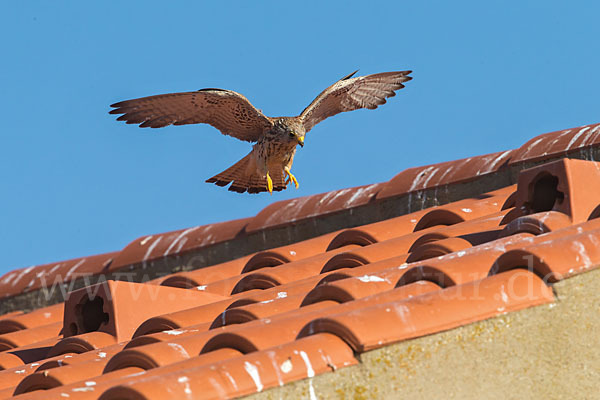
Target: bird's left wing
[[349, 94], [226, 110]]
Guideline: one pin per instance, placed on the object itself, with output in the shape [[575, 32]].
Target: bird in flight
[[268, 166]]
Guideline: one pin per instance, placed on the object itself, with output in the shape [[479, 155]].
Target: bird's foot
[[269, 184], [291, 178]]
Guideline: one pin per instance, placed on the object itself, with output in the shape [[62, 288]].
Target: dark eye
[[292, 134]]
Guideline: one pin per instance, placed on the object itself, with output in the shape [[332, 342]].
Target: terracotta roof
[[309, 284]]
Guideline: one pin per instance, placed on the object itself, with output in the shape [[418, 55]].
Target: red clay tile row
[[151, 247], [63, 375], [549, 145], [559, 143], [29, 336], [201, 318], [380, 323], [141, 250], [41, 316], [204, 278], [286, 363], [394, 227], [113, 307], [460, 211], [289, 211], [81, 343], [348, 257], [31, 352], [10, 377], [58, 371], [536, 224], [263, 259], [556, 258], [431, 176], [239, 376], [48, 275]]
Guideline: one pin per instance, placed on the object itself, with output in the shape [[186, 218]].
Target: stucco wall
[[546, 352]]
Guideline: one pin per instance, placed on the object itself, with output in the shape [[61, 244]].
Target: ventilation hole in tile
[[90, 314], [543, 194]]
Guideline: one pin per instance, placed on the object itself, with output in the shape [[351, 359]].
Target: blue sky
[[488, 76]]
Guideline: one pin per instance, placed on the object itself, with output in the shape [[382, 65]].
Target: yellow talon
[[269, 184], [291, 178]]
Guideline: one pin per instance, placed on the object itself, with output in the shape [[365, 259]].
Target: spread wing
[[349, 94], [226, 110]]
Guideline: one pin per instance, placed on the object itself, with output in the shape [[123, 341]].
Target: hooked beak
[[301, 141]]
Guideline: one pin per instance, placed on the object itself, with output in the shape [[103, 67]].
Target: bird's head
[[292, 130]]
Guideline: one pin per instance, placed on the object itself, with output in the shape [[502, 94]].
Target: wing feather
[[350, 94], [226, 110]]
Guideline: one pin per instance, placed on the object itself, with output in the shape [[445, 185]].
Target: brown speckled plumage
[[276, 138]]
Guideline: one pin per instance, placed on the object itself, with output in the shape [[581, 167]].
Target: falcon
[[268, 166]]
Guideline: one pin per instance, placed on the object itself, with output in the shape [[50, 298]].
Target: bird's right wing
[[226, 110], [349, 94]]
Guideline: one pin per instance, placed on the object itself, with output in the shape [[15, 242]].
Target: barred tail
[[246, 178]]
